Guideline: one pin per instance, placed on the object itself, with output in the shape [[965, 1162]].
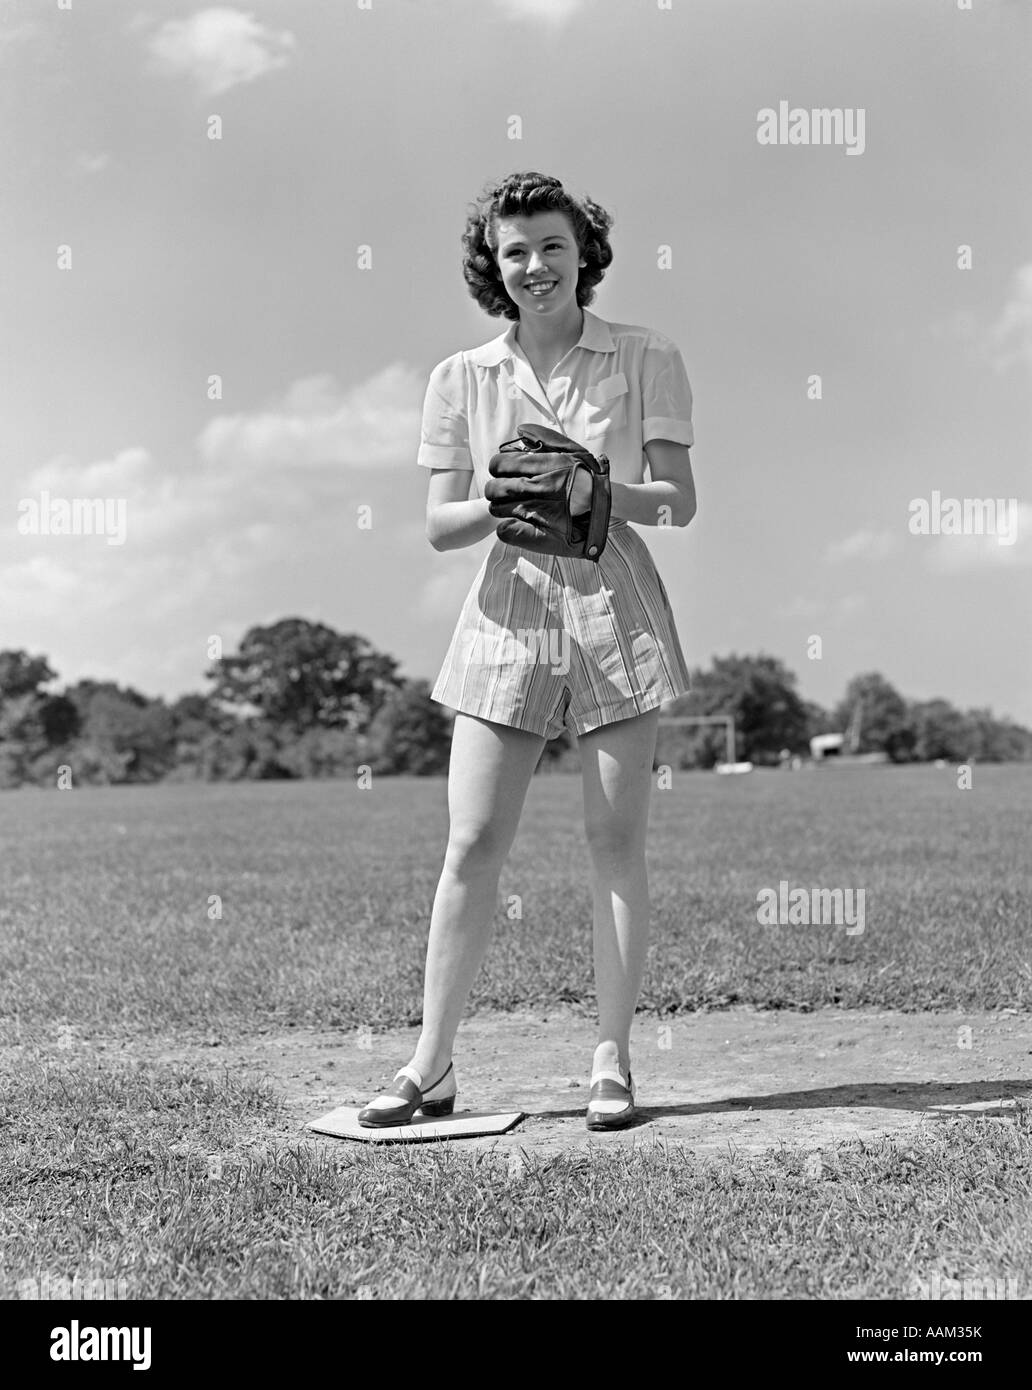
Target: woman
[[606, 653]]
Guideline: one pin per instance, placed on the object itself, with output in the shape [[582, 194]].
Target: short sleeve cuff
[[443, 456], [656, 427]]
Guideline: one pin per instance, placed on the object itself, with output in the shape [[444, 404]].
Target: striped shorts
[[544, 642]]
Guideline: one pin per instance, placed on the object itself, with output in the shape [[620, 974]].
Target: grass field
[[108, 1174], [105, 932], [104, 922]]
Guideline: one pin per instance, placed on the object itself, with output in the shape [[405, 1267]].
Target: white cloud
[[159, 504], [219, 48], [553, 12], [41, 585], [249, 524], [64, 476], [91, 163], [264, 473], [801, 607], [961, 324], [863, 544], [849, 604], [964, 554], [20, 33], [376, 424], [1010, 338], [1004, 341], [831, 610]]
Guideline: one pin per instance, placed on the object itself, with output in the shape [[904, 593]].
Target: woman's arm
[[453, 518], [669, 499]]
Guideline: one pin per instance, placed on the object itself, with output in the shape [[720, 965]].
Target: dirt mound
[[741, 1078]]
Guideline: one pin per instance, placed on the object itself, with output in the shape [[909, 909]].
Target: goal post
[[728, 720]]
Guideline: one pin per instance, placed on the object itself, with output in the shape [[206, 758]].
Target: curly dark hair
[[524, 195]]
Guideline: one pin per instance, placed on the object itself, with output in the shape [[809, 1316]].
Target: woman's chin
[[548, 305]]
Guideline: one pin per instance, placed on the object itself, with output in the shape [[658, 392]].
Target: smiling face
[[539, 263]]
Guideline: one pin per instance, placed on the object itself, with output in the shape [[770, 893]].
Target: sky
[[144, 261]]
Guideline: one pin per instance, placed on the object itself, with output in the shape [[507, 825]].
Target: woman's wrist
[[647, 504], [458, 524]]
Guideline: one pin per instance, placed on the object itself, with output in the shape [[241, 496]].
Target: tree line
[[772, 718], [300, 700]]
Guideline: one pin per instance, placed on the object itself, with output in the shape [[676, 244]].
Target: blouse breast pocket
[[605, 406]]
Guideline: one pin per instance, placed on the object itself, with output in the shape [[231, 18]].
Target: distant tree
[[818, 720], [885, 724], [940, 731], [300, 700], [22, 736], [759, 691], [305, 675], [21, 674], [995, 740], [322, 753], [200, 727], [61, 719], [82, 692], [1017, 742], [194, 712], [23, 726], [251, 752], [124, 738], [409, 733]]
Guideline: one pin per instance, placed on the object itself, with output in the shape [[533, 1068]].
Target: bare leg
[[488, 775], [616, 763]]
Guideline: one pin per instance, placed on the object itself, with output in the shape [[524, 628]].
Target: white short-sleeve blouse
[[616, 389]]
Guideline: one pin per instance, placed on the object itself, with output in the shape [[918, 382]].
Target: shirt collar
[[595, 336]]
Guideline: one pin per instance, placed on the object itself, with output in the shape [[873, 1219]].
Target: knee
[[613, 844], [474, 849]]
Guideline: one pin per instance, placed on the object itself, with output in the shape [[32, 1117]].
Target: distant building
[[826, 745], [840, 745]]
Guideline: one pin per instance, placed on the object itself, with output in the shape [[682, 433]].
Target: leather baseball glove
[[530, 486]]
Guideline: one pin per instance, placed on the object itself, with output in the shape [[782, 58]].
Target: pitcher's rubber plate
[[976, 1107], [342, 1123]]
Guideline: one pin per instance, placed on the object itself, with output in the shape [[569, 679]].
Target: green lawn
[[110, 1175], [189, 1187], [326, 893]]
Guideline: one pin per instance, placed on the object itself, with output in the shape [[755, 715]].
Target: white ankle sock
[[389, 1102]]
